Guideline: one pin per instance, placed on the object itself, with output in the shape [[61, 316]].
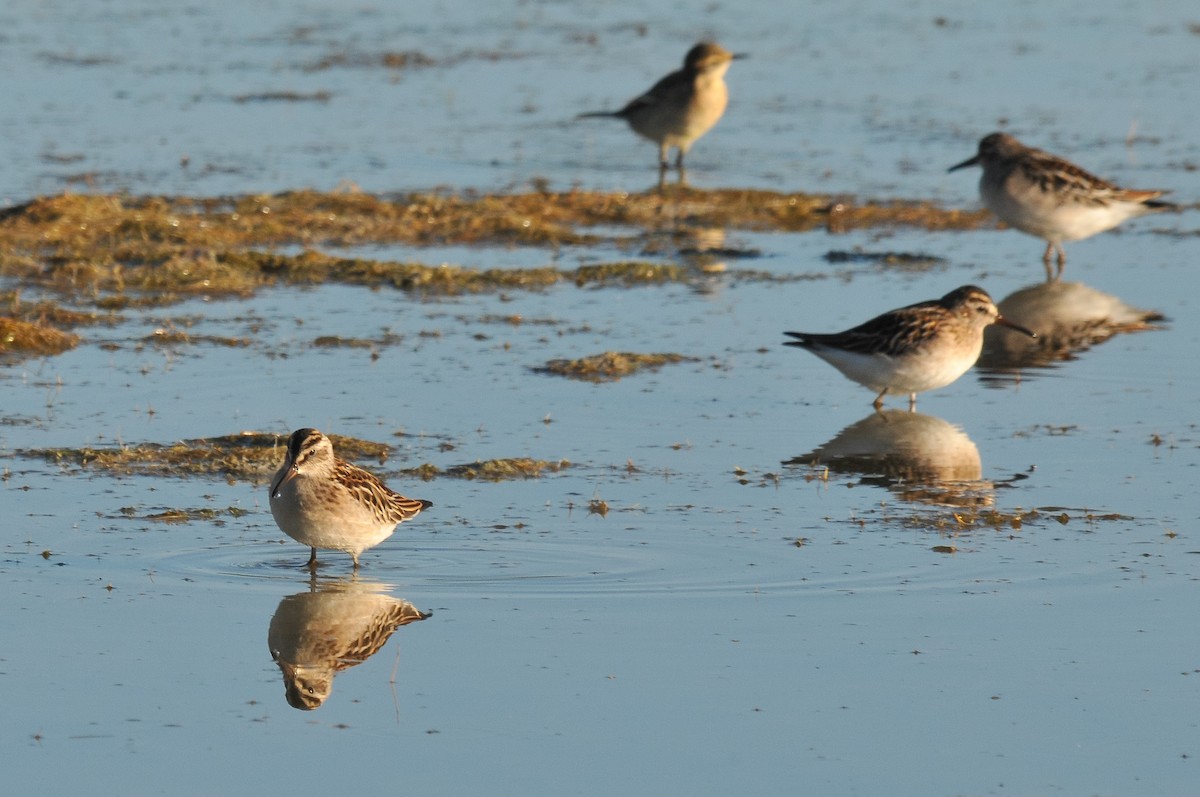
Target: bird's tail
[[410, 507]]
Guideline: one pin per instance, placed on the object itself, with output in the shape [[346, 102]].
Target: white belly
[[926, 369], [1051, 217]]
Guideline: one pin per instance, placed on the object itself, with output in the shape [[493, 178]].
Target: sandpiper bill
[[323, 501], [1051, 198], [682, 106], [913, 349]]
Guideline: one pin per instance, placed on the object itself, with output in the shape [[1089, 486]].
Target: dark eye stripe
[[299, 441]]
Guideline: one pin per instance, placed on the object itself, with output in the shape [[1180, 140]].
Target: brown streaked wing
[[892, 333], [1056, 176], [366, 488], [377, 633]]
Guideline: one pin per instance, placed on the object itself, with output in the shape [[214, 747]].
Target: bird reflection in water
[[1070, 318], [335, 625], [704, 250], [918, 457]]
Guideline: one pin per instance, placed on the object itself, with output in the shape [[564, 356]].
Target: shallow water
[[736, 621]]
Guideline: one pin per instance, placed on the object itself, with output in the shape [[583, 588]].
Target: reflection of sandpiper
[[1070, 316], [314, 635], [919, 457], [703, 248]]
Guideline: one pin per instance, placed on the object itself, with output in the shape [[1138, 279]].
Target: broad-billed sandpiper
[[913, 349], [323, 501], [682, 106], [1051, 198]]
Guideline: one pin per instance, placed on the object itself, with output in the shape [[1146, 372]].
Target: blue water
[[683, 642]]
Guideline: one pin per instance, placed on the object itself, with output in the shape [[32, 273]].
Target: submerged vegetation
[[185, 515], [249, 456], [491, 470], [255, 456], [962, 521], [114, 250], [35, 328], [110, 252], [28, 338], [610, 366]]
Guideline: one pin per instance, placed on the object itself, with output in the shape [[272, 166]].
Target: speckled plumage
[[912, 349], [682, 106], [323, 501], [1052, 198]]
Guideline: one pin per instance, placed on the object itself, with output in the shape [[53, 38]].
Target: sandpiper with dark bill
[[1051, 198], [913, 349], [322, 501]]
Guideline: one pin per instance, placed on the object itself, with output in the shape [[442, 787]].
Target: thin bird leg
[[878, 402], [664, 160], [912, 402], [312, 560], [1046, 261]]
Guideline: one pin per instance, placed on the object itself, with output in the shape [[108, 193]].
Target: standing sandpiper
[[916, 348], [682, 106], [325, 502], [1052, 198]]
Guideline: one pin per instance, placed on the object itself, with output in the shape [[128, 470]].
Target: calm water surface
[[736, 622]]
